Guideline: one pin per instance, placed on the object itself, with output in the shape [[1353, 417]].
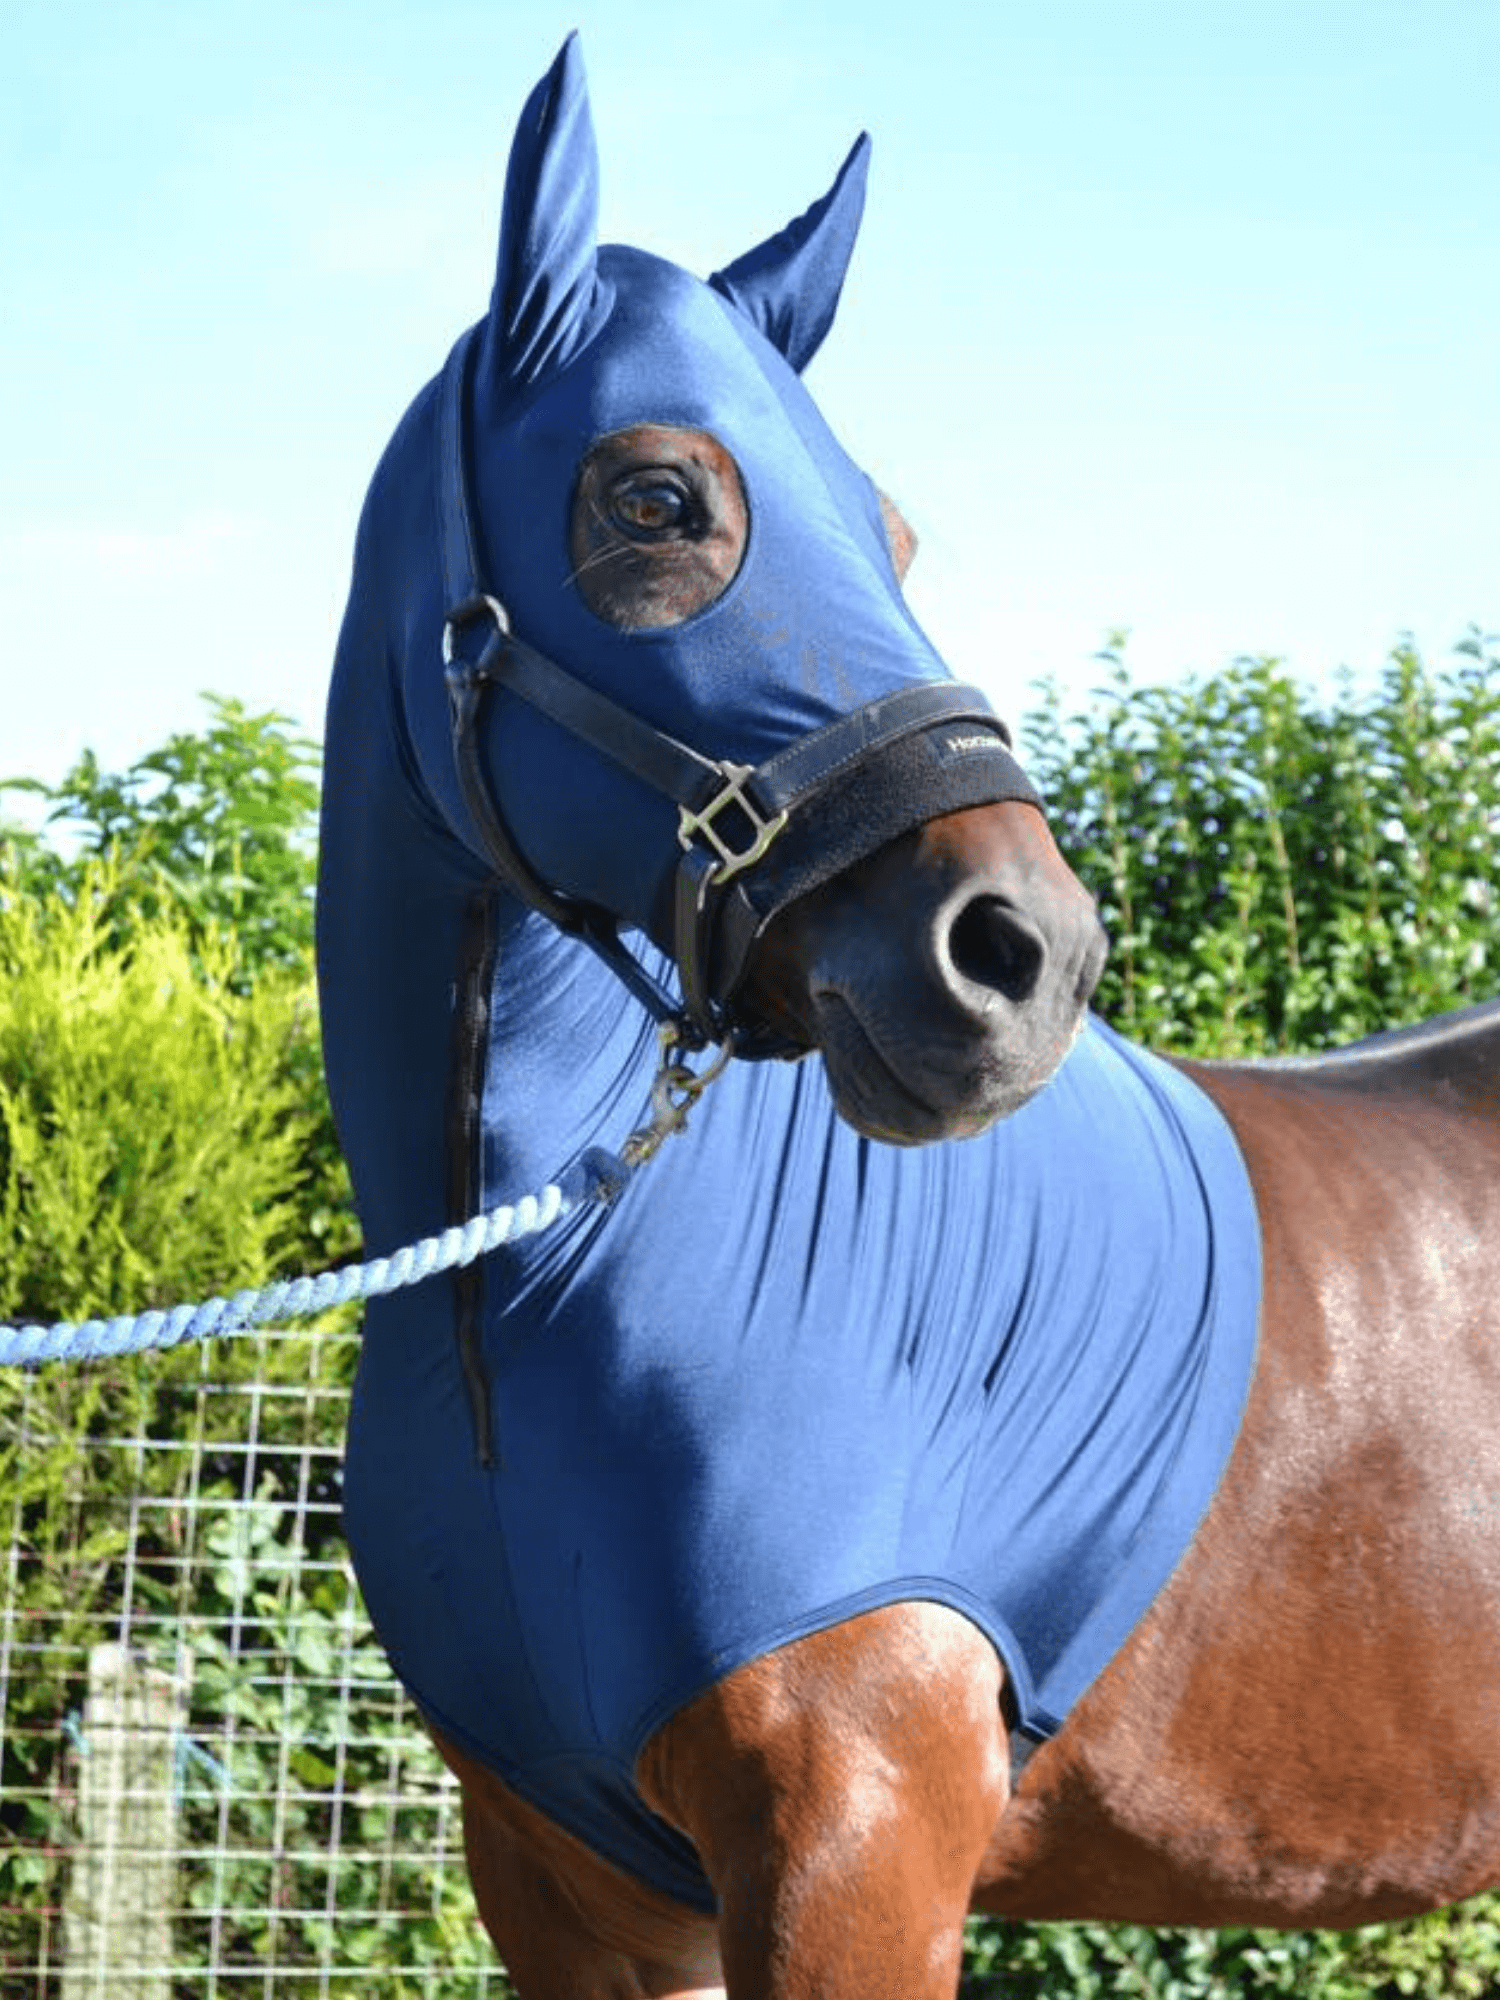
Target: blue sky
[[1178, 317]]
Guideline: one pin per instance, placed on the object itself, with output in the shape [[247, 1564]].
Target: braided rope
[[597, 1179]]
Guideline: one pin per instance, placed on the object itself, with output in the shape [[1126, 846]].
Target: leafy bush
[[323, 1804], [164, 1135], [150, 1132], [1276, 874], [216, 827], [216, 833], [1451, 1955]]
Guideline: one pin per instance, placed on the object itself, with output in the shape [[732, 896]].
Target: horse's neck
[[571, 1055]]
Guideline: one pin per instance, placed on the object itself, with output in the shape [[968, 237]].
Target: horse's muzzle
[[946, 979]]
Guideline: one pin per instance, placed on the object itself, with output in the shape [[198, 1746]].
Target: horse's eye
[[650, 506]]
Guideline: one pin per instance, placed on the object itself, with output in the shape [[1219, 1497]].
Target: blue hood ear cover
[[789, 286], [549, 299], [583, 340]]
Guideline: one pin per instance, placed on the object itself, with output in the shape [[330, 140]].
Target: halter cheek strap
[[468, 686], [750, 839]]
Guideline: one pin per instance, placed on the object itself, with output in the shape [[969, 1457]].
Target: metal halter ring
[[480, 606], [675, 1089]]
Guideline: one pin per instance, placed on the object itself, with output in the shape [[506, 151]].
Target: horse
[[973, 1464]]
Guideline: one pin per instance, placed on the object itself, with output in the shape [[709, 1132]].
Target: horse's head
[[732, 734]]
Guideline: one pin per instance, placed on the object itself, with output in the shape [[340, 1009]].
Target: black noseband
[[749, 839]]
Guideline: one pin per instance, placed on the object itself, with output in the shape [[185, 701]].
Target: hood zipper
[[465, 1122]]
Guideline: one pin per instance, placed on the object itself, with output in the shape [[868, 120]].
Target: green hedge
[[151, 1131], [163, 1137], [1276, 871]]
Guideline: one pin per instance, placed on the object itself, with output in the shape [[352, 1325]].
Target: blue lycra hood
[[794, 1374]]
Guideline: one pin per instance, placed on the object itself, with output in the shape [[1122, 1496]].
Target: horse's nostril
[[992, 947]]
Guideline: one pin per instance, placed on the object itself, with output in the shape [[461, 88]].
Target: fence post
[[117, 1913]]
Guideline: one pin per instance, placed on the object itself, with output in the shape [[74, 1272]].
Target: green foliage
[[153, 1136], [311, 1816], [164, 1135], [215, 832], [217, 827], [150, 1132], [1452, 1955], [1275, 874], [307, 1773]]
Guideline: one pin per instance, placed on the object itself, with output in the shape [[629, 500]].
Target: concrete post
[[117, 1913]]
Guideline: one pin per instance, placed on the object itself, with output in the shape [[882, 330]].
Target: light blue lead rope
[[597, 1179]]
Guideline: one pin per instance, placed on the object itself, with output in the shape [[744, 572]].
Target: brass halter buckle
[[690, 825]]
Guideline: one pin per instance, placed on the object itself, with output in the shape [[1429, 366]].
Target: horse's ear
[[547, 301], [790, 284]]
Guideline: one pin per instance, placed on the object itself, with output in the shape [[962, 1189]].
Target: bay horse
[[983, 1466]]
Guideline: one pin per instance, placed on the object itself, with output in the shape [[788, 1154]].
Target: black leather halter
[[750, 839]]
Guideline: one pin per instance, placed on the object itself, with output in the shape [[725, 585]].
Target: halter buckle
[[690, 825]]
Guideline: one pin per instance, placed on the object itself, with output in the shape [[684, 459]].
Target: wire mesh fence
[[210, 1784]]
